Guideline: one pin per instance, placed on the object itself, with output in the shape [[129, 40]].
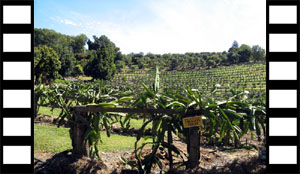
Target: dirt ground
[[238, 161], [213, 160]]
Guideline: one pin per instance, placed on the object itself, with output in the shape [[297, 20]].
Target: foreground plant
[[225, 121]]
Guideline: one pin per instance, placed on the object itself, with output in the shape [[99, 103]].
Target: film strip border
[[283, 86], [17, 86]]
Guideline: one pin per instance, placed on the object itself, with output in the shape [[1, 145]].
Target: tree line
[[57, 56]]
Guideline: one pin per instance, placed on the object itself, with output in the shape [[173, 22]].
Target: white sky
[[173, 26]]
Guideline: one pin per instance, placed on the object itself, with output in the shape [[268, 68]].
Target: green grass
[[85, 78], [53, 139], [47, 111], [134, 123]]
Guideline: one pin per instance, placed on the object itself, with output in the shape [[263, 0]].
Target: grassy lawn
[[47, 111], [133, 122], [138, 124], [53, 139]]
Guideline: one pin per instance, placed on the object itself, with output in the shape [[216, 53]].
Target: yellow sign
[[192, 121]]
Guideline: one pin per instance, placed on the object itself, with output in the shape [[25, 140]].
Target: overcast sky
[[159, 26]]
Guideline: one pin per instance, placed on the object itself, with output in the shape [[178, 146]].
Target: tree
[[101, 64], [191, 62], [120, 65], [233, 57], [141, 63], [202, 62], [216, 58], [136, 57], [211, 63], [119, 56], [101, 42], [245, 53], [174, 64], [258, 53], [78, 70], [46, 64], [64, 46], [79, 42], [67, 58], [234, 47]]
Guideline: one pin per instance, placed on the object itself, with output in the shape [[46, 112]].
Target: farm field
[[250, 77], [230, 136], [148, 87]]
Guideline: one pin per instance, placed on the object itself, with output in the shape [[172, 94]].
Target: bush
[[46, 64]]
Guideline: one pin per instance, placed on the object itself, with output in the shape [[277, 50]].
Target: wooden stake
[[193, 143]]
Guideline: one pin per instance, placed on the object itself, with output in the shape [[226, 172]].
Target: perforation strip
[[282, 140], [16, 87]]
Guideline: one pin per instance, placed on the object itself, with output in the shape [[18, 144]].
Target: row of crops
[[251, 78], [227, 118]]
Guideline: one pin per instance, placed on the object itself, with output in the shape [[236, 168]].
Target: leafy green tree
[[78, 70], [211, 63], [101, 64], [128, 59], [216, 58], [119, 56], [234, 47], [64, 46], [46, 64], [259, 53], [233, 57], [71, 51], [141, 63], [191, 62], [80, 56], [67, 59], [136, 57], [78, 43], [102, 41], [223, 57], [245, 53], [147, 60], [201, 62], [120, 65], [174, 64]]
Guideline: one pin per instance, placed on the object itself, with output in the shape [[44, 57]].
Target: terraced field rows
[[241, 77]]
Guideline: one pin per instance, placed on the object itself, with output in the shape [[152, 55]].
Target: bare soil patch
[[64, 163]]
